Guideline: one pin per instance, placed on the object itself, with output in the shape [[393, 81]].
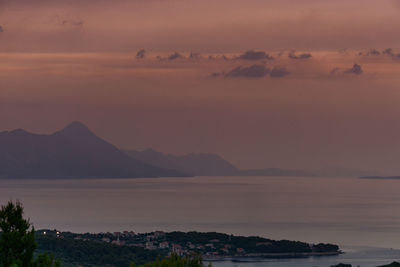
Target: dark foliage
[[251, 244], [176, 261], [17, 240], [393, 264], [93, 253]]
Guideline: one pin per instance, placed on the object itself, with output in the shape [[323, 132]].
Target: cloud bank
[[292, 55], [356, 69], [253, 71], [255, 55], [278, 72], [141, 54]]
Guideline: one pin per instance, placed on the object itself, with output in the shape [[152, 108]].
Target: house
[[118, 242], [106, 239], [177, 249], [150, 245], [158, 234], [164, 244], [225, 250], [150, 237], [240, 250]]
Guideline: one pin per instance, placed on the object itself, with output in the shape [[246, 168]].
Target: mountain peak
[[76, 127]]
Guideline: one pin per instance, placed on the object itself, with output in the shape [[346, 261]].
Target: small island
[[107, 248], [381, 177]]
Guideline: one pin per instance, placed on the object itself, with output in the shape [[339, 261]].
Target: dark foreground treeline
[[92, 253]]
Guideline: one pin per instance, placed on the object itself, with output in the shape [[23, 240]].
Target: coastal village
[[208, 245]]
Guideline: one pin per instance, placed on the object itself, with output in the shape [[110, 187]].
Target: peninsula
[[107, 248]]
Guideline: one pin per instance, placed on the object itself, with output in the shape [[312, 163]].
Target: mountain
[[275, 172], [73, 152], [203, 164], [199, 164], [340, 171]]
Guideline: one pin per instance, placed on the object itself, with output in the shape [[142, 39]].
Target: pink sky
[[76, 60]]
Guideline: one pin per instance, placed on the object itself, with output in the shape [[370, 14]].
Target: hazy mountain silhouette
[[203, 164], [72, 152], [275, 172]]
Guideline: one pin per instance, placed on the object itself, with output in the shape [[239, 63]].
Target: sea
[[362, 216]]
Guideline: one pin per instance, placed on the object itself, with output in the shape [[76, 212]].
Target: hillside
[[73, 152], [206, 164]]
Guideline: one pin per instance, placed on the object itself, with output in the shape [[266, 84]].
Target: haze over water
[[346, 211]]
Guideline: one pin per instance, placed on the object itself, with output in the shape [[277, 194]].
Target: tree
[[17, 240], [174, 260], [44, 260]]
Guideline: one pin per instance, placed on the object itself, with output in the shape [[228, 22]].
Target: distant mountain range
[[76, 152], [204, 164], [200, 164], [73, 152]]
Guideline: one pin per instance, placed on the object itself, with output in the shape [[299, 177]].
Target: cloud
[[278, 72], [255, 55], [174, 56], [140, 54], [335, 71], [292, 55], [389, 52], [216, 74], [253, 71], [356, 69], [371, 52], [194, 55], [72, 22], [386, 52]]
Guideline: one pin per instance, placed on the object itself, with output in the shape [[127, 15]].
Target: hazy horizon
[[329, 96]]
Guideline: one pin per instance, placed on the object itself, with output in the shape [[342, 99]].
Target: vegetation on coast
[[22, 246], [17, 240]]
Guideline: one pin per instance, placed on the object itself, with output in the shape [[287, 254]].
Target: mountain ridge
[[73, 152], [207, 164], [76, 152]]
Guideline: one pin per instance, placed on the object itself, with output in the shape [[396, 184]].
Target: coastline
[[252, 257], [381, 177]]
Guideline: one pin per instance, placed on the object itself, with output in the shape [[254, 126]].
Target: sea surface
[[356, 256], [350, 212]]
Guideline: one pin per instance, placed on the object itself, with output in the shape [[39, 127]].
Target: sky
[[293, 84]]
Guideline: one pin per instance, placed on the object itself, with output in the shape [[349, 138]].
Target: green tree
[[17, 240], [174, 260], [44, 260]]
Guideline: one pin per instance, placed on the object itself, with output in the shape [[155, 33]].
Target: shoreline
[[261, 256]]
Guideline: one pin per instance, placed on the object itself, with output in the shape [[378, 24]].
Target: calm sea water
[[357, 256], [345, 211]]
